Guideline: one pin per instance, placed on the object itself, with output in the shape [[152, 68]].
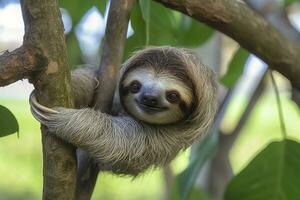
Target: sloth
[[167, 98]]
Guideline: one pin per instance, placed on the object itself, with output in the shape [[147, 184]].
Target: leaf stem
[[279, 106]]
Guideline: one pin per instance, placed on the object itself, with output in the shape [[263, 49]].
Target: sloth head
[[158, 85], [157, 93]]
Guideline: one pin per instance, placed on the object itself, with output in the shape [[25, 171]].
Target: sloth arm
[[103, 136]]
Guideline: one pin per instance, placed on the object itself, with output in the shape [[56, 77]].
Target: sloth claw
[[39, 116], [33, 102], [40, 112]]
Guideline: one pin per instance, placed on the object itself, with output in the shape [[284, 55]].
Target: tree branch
[[112, 54], [235, 19], [44, 32], [276, 15], [18, 64]]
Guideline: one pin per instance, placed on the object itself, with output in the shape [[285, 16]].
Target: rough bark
[[112, 54], [235, 19], [44, 32], [19, 64]]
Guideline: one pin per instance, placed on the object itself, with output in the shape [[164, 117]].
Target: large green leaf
[[184, 183], [235, 68], [8, 122], [161, 21], [272, 174]]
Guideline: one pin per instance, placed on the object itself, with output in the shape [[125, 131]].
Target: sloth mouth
[[150, 109]]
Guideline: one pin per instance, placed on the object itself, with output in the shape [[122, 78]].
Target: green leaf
[[184, 183], [235, 69], [8, 122], [79, 7], [273, 174], [161, 22]]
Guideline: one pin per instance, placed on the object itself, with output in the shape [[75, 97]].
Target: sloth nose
[[149, 100]]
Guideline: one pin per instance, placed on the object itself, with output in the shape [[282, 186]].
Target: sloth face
[[155, 97]]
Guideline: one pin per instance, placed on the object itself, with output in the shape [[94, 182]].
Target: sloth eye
[[172, 96], [135, 86]]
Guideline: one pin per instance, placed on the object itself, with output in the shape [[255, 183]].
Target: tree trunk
[[44, 32]]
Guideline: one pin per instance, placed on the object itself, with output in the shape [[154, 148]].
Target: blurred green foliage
[[184, 183], [235, 68], [77, 9]]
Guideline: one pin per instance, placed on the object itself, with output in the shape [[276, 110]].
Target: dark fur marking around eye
[[123, 90], [184, 107]]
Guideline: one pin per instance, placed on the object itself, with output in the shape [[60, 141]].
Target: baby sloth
[[168, 100]]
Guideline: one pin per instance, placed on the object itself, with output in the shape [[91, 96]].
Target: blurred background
[[21, 158]]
